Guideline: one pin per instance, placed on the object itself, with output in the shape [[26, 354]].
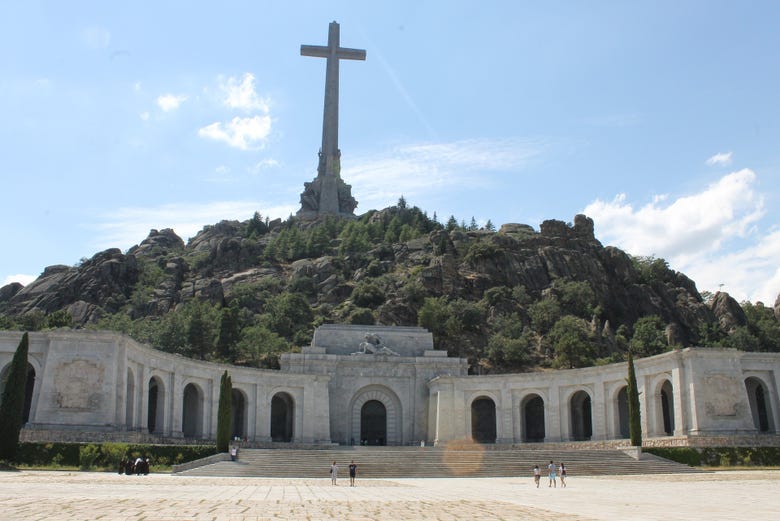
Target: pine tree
[[224, 413], [229, 332], [634, 415], [12, 405]]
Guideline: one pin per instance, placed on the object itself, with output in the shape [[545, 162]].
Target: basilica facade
[[375, 385]]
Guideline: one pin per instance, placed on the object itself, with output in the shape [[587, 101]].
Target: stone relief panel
[[78, 385], [722, 395]]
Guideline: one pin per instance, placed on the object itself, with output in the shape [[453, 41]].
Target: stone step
[[409, 462]]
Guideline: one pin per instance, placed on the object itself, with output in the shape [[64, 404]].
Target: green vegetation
[[224, 413], [463, 282], [720, 456], [634, 411], [106, 456], [12, 404]]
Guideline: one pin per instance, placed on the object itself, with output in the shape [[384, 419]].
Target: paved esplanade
[[329, 163], [753, 495]]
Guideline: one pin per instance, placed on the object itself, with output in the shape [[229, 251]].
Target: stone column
[[679, 402], [646, 406], [177, 403], [211, 408], [504, 431], [145, 376], [251, 412], [263, 415], [556, 427], [598, 413]]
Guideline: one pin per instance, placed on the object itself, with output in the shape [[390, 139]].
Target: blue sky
[[660, 120]]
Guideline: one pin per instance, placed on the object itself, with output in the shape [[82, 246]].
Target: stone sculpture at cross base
[[328, 194]]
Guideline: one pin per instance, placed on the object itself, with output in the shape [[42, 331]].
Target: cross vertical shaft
[[329, 152]]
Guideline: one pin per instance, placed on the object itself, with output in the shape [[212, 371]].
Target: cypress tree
[[224, 413], [12, 405], [634, 416]]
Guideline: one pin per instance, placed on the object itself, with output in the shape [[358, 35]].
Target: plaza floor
[[33, 495]]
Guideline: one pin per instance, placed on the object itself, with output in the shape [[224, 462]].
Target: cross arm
[[342, 53]]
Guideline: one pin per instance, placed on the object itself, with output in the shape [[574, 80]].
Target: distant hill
[[508, 300]]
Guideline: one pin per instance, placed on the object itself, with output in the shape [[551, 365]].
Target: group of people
[[334, 473], [553, 474], [136, 466]]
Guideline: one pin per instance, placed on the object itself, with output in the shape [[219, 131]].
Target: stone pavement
[[32, 495]]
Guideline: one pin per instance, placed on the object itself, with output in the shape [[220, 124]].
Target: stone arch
[[155, 411], [373, 423], [580, 416], [238, 413], [483, 419], [28, 390], [620, 402], [282, 415], [130, 399], [760, 404], [393, 411], [532, 415], [192, 411], [665, 416]]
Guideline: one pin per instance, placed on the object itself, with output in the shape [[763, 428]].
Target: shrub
[[88, 455], [684, 455]]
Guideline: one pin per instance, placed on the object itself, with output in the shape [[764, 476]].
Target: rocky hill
[[511, 299]]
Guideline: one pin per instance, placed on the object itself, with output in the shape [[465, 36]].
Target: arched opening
[[390, 429], [282, 417], [581, 419], [758, 397], [237, 414], [622, 412], [533, 418], [667, 408], [373, 423], [483, 420], [28, 389], [155, 415], [130, 399], [192, 412]]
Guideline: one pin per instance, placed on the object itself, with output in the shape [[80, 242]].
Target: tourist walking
[[551, 473], [562, 474], [334, 473], [537, 475], [352, 473]]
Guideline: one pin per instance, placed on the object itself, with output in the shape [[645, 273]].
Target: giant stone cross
[[328, 194]]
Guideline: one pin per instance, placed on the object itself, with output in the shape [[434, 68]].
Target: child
[[537, 475]]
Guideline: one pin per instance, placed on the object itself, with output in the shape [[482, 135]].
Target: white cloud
[[129, 226], [20, 278], [240, 94], [137, 86], [242, 133], [263, 164], [144, 116], [721, 158], [168, 102], [712, 236], [416, 169]]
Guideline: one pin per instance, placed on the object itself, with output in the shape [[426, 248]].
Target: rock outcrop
[[224, 260]]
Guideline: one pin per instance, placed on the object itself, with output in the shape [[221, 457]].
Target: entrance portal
[[533, 419], [759, 406], [282, 418], [581, 420], [483, 420], [622, 407], [373, 423], [667, 408]]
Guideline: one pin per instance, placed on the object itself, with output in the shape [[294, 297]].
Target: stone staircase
[[427, 462]]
